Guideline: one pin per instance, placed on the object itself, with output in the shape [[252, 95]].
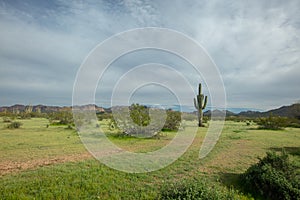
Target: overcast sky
[[255, 45]]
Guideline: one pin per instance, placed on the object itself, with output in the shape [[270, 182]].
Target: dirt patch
[[11, 166]]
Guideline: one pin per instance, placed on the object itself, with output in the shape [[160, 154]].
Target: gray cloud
[[255, 44]]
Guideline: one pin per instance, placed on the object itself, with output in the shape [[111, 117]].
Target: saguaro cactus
[[200, 104]]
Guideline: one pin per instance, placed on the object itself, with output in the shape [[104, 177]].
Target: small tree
[[139, 114], [129, 123], [139, 123]]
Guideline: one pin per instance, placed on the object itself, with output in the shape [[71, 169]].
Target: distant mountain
[[90, 107], [292, 111], [48, 109], [286, 111], [250, 113], [219, 113], [238, 110]]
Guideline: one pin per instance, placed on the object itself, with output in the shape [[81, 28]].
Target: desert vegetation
[[200, 103], [273, 177], [139, 122], [44, 159], [14, 125]]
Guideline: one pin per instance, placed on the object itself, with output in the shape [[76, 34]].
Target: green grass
[[34, 141], [238, 148]]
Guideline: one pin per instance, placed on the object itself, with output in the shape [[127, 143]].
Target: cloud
[[256, 47], [255, 44]]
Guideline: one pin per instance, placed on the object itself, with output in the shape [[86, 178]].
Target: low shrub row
[[197, 189]]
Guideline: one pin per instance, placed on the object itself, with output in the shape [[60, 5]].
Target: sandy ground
[[10, 166]]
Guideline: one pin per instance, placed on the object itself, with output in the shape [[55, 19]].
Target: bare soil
[[7, 167]]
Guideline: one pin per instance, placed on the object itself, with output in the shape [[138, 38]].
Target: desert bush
[[173, 120], [24, 115], [272, 122], [134, 123], [236, 118], [36, 114], [61, 118], [8, 115], [206, 119], [139, 115], [273, 177], [195, 189], [293, 122], [112, 124], [102, 116], [14, 125], [7, 120]]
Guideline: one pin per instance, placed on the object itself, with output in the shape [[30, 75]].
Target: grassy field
[[51, 163]]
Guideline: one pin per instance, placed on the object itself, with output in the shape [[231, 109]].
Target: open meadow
[[149, 99], [43, 162]]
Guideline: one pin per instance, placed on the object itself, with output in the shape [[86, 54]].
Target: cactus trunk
[[200, 104]]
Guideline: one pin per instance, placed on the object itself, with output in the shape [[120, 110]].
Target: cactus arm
[[199, 89], [205, 102], [195, 103]]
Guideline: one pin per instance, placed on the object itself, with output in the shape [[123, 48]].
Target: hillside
[[287, 111], [292, 111]]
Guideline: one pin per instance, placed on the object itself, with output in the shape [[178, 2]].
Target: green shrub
[[293, 122], [195, 189], [112, 124], [137, 123], [14, 125], [102, 116], [24, 115], [272, 122], [273, 177], [7, 120], [8, 115], [61, 118], [139, 114], [173, 120]]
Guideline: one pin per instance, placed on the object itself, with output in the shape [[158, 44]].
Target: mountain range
[[284, 111], [48, 109], [292, 111]]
